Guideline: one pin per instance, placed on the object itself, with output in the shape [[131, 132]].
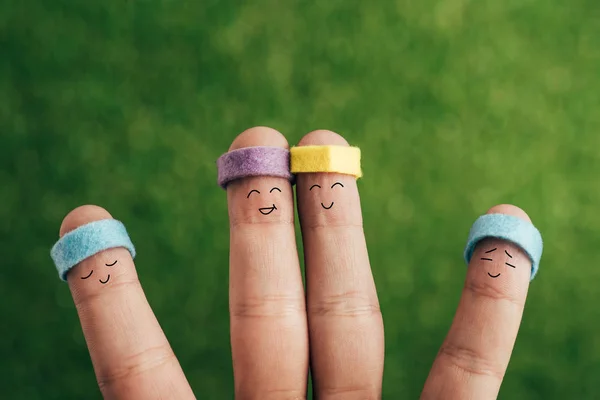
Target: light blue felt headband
[[87, 240], [510, 228]]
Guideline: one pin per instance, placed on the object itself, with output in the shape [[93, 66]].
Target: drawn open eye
[[110, 265], [275, 188], [337, 183], [314, 186], [252, 191], [85, 277]]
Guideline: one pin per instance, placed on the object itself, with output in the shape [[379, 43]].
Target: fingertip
[[259, 136], [322, 137], [82, 215], [509, 209]]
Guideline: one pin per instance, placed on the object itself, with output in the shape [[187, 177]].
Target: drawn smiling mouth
[[327, 208], [106, 281], [493, 276], [267, 210]]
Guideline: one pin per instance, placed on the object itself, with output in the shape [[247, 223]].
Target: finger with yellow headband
[[328, 158], [345, 323]]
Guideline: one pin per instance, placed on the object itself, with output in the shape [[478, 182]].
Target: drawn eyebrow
[[110, 265], [487, 259], [275, 188], [489, 251], [507, 253], [311, 188], [253, 190], [510, 265], [91, 272], [337, 183]]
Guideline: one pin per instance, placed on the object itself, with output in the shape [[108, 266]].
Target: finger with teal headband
[[503, 253], [515, 230], [129, 351], [88, 240]]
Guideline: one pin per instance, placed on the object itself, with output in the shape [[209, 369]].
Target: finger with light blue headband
[[88, 240], [511, 228], [95, 255], [503, 254]]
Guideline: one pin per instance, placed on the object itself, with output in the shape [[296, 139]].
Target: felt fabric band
[[87, 240], [339, 159], [254, 161], [510, 228]]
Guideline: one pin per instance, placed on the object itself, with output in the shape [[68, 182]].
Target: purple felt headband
[[254, 161]]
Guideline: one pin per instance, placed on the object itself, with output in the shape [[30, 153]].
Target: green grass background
[[457, 105]]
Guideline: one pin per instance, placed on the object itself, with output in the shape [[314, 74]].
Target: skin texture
[[269, 337], [130, 353], [473, 359], [345, 323], [278, 331]]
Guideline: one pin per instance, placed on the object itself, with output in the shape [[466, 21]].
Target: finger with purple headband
[[254, 161], [269, 338]]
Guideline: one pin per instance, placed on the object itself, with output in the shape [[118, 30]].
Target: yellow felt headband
[[339, 159]]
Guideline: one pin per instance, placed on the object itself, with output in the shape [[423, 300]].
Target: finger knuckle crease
[[285, 394], [136, 364], [361, 392], [333, 224], [346, 304], [490, 292], [278, 305], [86, 298], [471, 361]]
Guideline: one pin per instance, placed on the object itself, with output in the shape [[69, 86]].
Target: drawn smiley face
[[490, 252], [326, 207], [104, 282], [265, 210]]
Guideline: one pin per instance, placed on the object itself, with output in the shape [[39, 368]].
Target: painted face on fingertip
[[102, 269], [328, 199], [268, 198], [103, 275], [498, 254], [327, 205]]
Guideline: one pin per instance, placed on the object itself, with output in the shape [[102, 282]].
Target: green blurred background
[[457, 105]]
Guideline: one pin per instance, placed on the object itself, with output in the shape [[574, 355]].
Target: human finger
[[130, 353], [504, 254], [345, 322], [269, 336]]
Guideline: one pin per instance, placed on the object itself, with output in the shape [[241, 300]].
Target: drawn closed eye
[[337, 183], [110, 265], [488, 252], [91, 272], [252, 191], [313, 186], [275, 188], [510, 265]]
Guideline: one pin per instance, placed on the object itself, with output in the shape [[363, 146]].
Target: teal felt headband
[[87, 240], [510, 228]]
